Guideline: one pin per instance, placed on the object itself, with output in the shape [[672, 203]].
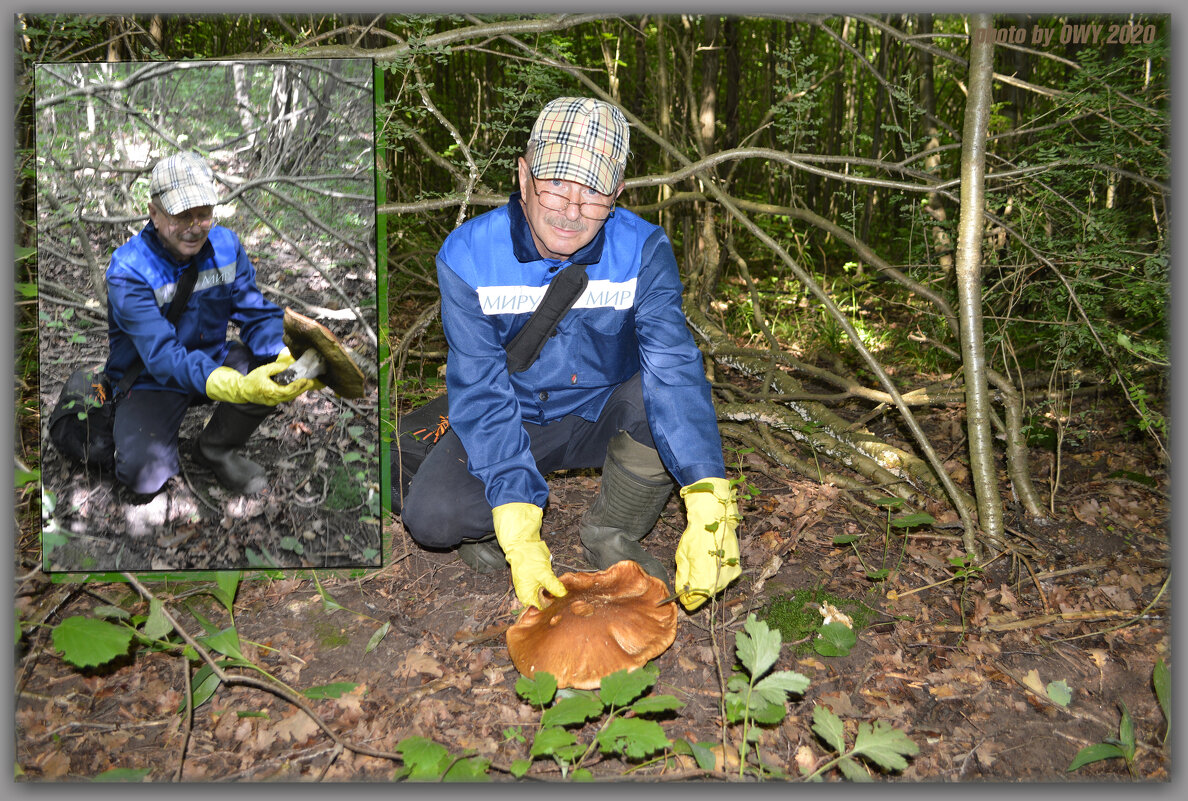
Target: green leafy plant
[[755, 695], [425, 760], [798, 618], [1161, 680], [329, 605], [1121, 747], [1124, 746], [901, 522], [876, 743], [626, 730]]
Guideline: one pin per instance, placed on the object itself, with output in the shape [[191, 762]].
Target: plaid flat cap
[[183, 181], [580, 139]]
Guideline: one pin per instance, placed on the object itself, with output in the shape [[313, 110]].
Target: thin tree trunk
[[969, 288], [733, 78], [708, 252], [942, 244]]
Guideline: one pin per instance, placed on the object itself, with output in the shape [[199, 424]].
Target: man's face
[[560, 234], [182, 235]]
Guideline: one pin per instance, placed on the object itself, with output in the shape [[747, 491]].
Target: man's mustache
[[565, 223]]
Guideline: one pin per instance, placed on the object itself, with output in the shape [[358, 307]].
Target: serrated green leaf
[[157, 625], [775, 688], [424, 760], [766, 713], [634, 738], [1161, 679], [376, 638], [884, 745], [619, 689], [738, 682], [853, 770], [736, 707], [581, 775], [86, 642], [22, 477], [835, 639], [553, 741], [519, 767], [123, 775], [334, 690], [829, 728], [759, 648], [1059, 692], [573, 710], [225, 642], [653, 704], [538, 690], [1096, 753]]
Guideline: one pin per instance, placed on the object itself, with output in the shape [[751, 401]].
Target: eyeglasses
[[190, 219], [554, 202]]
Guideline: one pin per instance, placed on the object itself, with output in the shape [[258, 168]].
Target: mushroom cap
[[341, 374], [608, 621]]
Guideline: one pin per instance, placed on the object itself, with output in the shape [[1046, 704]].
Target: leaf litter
[[972, 672]]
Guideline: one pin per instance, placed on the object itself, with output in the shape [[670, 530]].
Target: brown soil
[[947, 663], [322, 508]]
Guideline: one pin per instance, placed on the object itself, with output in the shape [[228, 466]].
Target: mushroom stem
[[309, 365]]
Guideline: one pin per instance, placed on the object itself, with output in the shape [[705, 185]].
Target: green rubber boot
[[635, 488], [230, 427], [483, 555]]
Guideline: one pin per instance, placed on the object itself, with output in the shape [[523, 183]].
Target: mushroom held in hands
[[319, 355], [608, 621]]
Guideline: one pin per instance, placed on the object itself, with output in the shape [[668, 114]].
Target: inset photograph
[[208, 315]]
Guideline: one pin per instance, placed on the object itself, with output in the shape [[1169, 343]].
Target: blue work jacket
[[141, 281], [628, 320]]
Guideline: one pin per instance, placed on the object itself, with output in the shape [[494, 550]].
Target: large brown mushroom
[[319, 355], [608, 621]]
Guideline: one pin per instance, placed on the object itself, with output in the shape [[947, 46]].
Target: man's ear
[[522, 172], [618, 191]]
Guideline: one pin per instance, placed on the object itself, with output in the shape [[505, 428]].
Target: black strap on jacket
[[563, 292], [181, 296]]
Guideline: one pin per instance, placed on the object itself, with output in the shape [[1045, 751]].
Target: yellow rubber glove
[[228, 384], [517, 527], [703, 554]]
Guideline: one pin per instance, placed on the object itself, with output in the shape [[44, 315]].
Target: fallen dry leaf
[[419, 662], [297, 727]]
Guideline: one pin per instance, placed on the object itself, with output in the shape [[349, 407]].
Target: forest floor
[[321, 509], [961, 667]]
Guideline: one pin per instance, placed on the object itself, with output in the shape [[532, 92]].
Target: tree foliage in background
[[767, 145]]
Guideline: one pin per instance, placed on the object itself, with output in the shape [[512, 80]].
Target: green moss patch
[[796, 615]]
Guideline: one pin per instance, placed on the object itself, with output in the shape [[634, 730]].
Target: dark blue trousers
[[444, 504], [146, 426]]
